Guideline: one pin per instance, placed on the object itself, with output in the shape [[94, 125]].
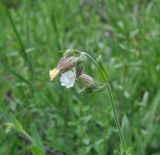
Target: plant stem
[[116, 115], [110, 97], [111, 100]]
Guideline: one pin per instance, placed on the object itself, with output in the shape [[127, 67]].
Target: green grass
[[127, 36]]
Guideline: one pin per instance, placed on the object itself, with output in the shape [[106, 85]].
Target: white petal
[[68, 78], [63, 78], [63, 84]]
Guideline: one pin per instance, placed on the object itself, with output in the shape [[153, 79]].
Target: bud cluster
[[70, 67]]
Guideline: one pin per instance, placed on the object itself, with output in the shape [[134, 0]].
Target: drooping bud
[[89, 85], [85, 80], [65, 63]]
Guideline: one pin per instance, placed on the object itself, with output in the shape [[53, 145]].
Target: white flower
[[68, 78]]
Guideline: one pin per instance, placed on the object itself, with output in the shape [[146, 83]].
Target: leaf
[[103, 71], [18, 125], [126, 130], [19, 39], [36, 137], [37, 151]]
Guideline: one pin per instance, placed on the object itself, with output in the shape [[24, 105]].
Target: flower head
[[70, 66]]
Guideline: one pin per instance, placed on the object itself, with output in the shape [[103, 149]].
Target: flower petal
[[68, 78]]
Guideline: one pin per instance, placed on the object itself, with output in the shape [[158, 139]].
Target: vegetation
[[41, 117]]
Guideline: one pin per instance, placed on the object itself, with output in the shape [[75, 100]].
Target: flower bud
[[65, 63], [89, 85], [85, 80]]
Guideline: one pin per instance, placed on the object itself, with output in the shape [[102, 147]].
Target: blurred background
[[41, 117]]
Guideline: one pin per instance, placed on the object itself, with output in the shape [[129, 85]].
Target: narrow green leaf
[[18, 125], [126, 130], [37, 151], [104, 72], [36, 137], [22, 46]]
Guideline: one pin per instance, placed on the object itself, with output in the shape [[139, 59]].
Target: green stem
[[22, 46], [27, 136], [111, 98], [116, 115]]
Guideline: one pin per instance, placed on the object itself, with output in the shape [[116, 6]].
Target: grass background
[[127, 36]]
